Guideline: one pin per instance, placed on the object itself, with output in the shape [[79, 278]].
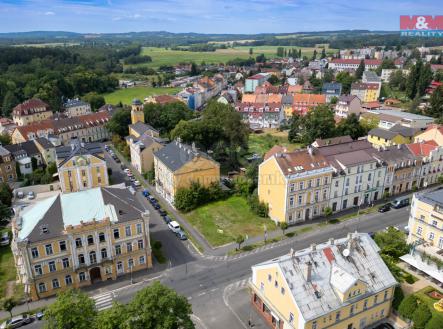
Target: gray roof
[[344, 147], [287, 99], [44, 142], [396, 154], [401, 114], [56, 213], [404, 131], [19, 149], [4, 151], [65, 153], [142, 128], [371, 76], [332, 85], [333, 141], [432, 198], [383, 133], [175, 155], [333, 272]]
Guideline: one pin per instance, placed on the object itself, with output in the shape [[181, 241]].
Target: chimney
[[308, 271], [313, 247], [331, 241], [310, 151]]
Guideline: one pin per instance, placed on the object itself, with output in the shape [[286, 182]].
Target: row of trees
[[187, 199]]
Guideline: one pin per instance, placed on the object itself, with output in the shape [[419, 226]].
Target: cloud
[[49, 13]]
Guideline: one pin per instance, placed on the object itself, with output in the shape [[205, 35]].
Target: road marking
[[195, 318], [227, 290], [201, 294], [103, 301]]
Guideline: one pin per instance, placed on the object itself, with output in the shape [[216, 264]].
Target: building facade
[[76, 107], [346, 105], [367, 92], [339, 284], [30, 111], [142, 152], [78, 239], [8, 172]]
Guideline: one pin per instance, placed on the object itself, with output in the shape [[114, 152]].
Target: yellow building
[[137, 113], [78, 239], [426, 233], [30, 111], [294, 185], [178, 165], [396, 135], [81, 167], [339, 284], [367, 92], [433, 132], [142, 152]]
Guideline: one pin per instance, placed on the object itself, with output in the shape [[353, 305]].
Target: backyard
[[221, 222], [7, 271], [261, 143], [128, 94], [423, 295]]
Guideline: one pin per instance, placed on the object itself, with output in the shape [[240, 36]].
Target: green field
[[7, 266], [127, 95], [162, 56], [221, 221], [261, 143]]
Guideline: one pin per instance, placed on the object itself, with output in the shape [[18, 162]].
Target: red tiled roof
[[422, 149], [274, 150], [329, 254], [165, 99], [30, 104]]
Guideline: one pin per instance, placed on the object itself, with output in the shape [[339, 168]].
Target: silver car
[[16, 322]]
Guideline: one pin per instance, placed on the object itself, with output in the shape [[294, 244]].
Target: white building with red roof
[[30, 111]]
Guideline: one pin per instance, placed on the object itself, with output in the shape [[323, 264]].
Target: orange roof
[[274, 150], [310, 99], [274, 98], [249, 98], [300, 161], [295, 89], [422, 149]]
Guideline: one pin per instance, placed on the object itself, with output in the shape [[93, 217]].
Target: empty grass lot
[[261, 143], [222, 221], [7, 267], [126, 95]]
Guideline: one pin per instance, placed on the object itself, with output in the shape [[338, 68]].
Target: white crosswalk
[[103, 301]]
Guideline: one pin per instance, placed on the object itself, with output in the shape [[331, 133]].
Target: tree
[[9, 101], [283, 227], [351, 126], [239, 240], [273, 79], [435, 108], [113, 318], [165, 117], [251, 51], [360, 70], [408, 306], [158, 306], [8, 305], [95, 100], [318, 123], [323, 53], [412, 81], [260, 58], [5, 138], [328, 211], [5, 194], [424, 79], [194, 70], [119, 122], [296, 126], [392, 242], [398, 297], [72, 309], [280, 51], [436, 322], [346, 80], [421, 316], [314, 55]]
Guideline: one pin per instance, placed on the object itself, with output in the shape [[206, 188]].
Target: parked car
[[174, 226], [162, 212], [16, 322], [181, 235], [146, 193], [167, 219], [107, 148], [151, 199], [20, 195], [4, 240], [117, 160], [122, 167], [126, 170], [384, 208], [400, 203], [137, 183], [132, 179], [39, 315], [156, 206], [31, 195]]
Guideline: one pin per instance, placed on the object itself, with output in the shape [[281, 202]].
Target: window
[[318, 182], [300, 199], [52, 267], [275, 284], [65, 262], [352, 310], [141, 260], [90, 240], [347, 181], [282, 290], [314, 324], [386, 295], [55, 284], [365, 305], [139, 228], [38, 270], [291, 317], [82, 276], [62, 245], [78, 242], [119, 267], [48, 249], [129, 247], [68, 280], [104, 253], [431, 236], [140, 244], [130, 263], [116, 233], [369, 177], [128, 230], [41, 287], [326, 180], [440, 243], [419, 230], [301, 185], [434, 223], [336, 183], [92, 257], [101, 237], [382, 313], [375, 299], [34, 252], [337, 316], [81, 259], [269, 277], [118, 249], [292, 187]]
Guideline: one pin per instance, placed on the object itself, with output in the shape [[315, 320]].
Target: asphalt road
[[207, 283]]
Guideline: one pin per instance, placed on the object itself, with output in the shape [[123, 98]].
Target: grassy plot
[[7, 267], [261, 143], [128, 94], [222, 221], [423, 296]]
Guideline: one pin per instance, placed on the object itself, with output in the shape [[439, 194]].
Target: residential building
[[139, 129], [332, 141], [389, 118], [178, 165], [7, 126], [426, 234], [372, 77], [81, 166], [431, 156], [387, 73], [346, 105], [254, 81], [30, 111], [137, 112], [432, 133], [78, 239], [338, 284], [46, 149], [367, 92], [86, 128], [76, 107], [305, 102], [294, 185], [26, 155], [331, 90], [259, 115], [340, 64], [142, 152], [396, 135], [7, 166]]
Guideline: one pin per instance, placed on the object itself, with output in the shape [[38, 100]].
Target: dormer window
[[44, 229]]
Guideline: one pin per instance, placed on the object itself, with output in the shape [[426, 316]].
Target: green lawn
[[127, 95], [261, 143], [162, 56], [422, 295], [7, 267], [220, 222]]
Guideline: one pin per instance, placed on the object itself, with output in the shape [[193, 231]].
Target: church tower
[[137, 113]]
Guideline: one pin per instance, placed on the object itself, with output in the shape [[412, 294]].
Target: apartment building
[[294, 185], [389, 118], [331, 90], [261, 115], [142, 152], [339, 284], [396, 135], [431, 156], [30, 111], [178, 165], [426, 233], [254, 81], [78, 239], [346, 105], [81, 166], [8, 172], [76, 107], [367, 92], [432, 133]]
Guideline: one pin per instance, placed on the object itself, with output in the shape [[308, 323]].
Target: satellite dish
[[346, 252]]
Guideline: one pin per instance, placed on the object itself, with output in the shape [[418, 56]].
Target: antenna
[[346, 253]]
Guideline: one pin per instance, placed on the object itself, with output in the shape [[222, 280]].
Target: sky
[[208, 16]]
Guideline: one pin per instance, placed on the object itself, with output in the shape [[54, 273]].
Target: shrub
[[421, 316], [328, 211], [157, 244], [290, 234], [407, 307], [398, 297], [187, 199], [409, 278], [436, 322], [259, 208]]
